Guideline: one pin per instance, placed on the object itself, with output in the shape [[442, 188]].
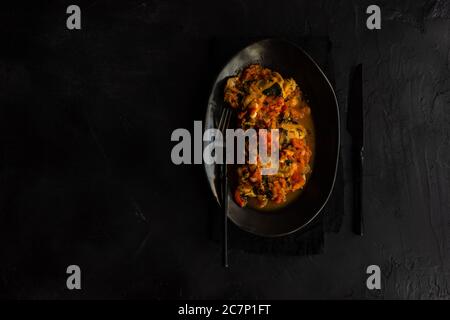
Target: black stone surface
[[86, 177]]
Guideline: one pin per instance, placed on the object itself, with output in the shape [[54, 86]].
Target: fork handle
[[225, 216]]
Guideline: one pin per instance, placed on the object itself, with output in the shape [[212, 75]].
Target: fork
[[223, 125]]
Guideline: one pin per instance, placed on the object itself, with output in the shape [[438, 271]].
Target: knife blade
[[355, 126]]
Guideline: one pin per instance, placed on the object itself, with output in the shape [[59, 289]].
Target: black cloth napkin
[[310, 240]]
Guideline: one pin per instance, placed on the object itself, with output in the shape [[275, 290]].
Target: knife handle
[[358, 221]]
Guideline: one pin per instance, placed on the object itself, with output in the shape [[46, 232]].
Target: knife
[[355, 126]]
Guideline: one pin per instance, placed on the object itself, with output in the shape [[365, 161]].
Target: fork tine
[[223, 125], [224, 119], [227, 124]]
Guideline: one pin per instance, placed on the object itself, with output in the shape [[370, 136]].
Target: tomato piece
[[238, 198]]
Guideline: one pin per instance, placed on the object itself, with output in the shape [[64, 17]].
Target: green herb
[[274, 90]]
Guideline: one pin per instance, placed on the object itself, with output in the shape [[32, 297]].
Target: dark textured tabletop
[[86, 177]]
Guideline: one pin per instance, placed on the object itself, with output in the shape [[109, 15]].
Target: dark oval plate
[[291, 61]]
